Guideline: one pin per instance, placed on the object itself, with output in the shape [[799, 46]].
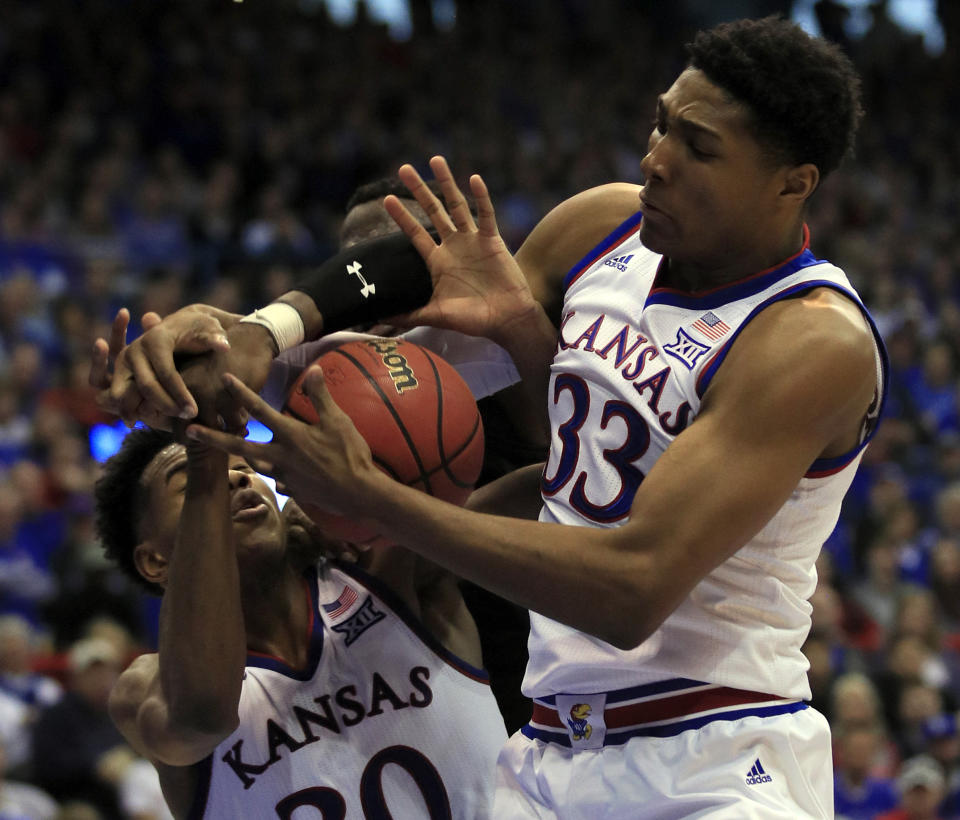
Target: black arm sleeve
[[369, 281]]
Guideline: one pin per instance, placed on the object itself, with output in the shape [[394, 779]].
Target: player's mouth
[[248, 504], [650, 209]]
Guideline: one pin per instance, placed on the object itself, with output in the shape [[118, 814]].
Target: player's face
[[257, 523], [710, 192]]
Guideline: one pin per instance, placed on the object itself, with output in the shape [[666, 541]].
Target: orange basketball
[[413, 409]]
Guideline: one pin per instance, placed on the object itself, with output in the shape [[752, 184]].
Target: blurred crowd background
[[154, 154]]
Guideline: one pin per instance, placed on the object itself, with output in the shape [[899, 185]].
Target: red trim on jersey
[[660, 709], [832, 470], [661, 289]]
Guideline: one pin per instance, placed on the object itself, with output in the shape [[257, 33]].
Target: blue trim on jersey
[[725, 294], [391, 599], [613, 238], [615, 738], [315, 648], [633, 692], [820, 465], [548, 737]]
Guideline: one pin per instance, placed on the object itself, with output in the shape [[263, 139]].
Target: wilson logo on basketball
[[396, 364]]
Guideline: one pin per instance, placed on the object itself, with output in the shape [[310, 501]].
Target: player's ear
[[800, 181], [150, 562]]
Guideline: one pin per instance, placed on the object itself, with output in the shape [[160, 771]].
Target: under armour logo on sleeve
[[368, 287]]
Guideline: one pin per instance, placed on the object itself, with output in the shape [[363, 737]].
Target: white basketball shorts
[[774, 767]]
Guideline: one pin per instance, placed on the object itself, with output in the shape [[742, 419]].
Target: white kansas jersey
[[632, 363], [382, 722]]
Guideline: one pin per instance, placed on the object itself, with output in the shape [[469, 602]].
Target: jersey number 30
[[331, 805]]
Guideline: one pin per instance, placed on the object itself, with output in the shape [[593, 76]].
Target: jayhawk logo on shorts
[[579, 726]]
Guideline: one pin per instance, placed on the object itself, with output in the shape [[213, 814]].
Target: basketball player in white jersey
[[349, 690], [710, 394]]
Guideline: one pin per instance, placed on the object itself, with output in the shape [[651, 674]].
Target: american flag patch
[[342, 604], [711, 326]]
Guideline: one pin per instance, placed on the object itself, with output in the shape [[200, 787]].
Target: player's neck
[[277, 618], [693, 277]]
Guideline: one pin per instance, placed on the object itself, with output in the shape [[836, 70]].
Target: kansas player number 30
[[332, 806]]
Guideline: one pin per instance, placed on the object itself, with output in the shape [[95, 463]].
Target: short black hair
[[379, 188], [120, 499], [803, 91]]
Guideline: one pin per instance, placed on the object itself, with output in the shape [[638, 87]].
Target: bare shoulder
[[569, 231], [821, 320], [808, 361]]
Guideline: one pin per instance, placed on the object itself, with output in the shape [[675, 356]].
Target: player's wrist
[[528, 329], [281, 321], [308, 311], [205, 464]]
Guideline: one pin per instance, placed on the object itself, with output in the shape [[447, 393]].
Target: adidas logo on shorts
[[757, 775]]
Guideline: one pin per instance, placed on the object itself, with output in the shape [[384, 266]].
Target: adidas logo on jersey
[[757, 775], [620, 263]]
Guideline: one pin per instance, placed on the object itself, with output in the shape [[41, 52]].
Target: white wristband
[[282, 320]]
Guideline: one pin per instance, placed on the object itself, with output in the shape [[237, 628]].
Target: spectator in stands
[[20, 800], [78, 754], [921, 787], [858, 793], [24, 583], [877, 591], [15, 734], [17, 653], [918, 704], [943, 745], [945, 584]]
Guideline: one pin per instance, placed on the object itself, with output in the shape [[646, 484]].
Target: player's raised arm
[[176, 706]]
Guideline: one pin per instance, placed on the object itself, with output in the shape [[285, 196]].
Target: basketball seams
[[429, 454], [444, 461], [372, 381]]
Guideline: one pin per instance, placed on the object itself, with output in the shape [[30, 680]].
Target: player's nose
[[239, 479]]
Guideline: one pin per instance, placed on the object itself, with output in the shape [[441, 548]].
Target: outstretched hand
[[172, 371], [103, 358], [323, 464], [478, 288]]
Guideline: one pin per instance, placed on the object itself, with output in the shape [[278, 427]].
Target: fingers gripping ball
[[415, 412]]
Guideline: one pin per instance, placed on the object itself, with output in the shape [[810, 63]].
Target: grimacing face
[[710, 192], [257, 523]]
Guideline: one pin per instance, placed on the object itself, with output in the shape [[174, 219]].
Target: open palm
[[478, 288]]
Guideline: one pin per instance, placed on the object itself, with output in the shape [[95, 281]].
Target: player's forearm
[[202, 646], [585, 577], [369, 281]]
